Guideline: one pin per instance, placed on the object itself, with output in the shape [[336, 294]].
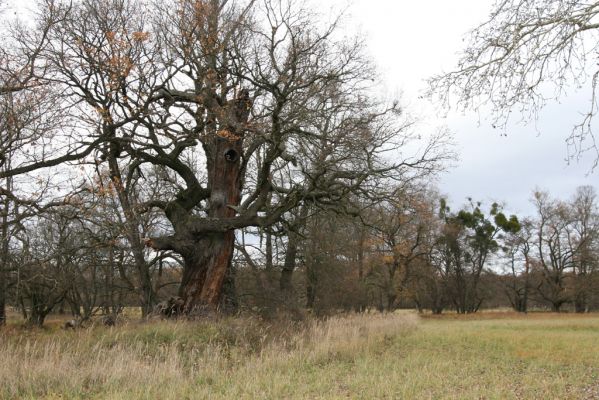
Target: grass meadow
[[492, 355]]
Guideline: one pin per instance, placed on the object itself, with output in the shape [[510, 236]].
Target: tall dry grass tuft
[[353, 333], [181, 359]]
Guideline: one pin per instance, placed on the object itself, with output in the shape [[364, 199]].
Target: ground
[[491, 355]]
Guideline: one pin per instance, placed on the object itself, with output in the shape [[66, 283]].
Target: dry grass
[[222, 359], [507, 314], [397, 356]]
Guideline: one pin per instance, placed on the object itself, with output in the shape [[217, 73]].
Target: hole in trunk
[[231, 155]]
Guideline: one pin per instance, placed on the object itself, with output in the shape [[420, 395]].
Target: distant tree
[[517, 248], [527, 53], [584, 240], [554, 249], [423, 280], [468, 239], [401, 225], [330, 257], [45, 258], [294, 228]]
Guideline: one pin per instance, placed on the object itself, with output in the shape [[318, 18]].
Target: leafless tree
[[553, 250], [45, 258], [584, 240], [400, 226], [517, 250]]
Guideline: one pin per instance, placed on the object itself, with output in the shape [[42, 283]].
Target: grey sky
[[410, 41]]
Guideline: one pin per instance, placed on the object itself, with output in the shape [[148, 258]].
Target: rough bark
[[208, 262], [205, 271]]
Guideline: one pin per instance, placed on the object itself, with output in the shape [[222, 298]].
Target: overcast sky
[[410, 41]]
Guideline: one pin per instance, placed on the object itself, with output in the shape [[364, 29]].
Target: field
[[398, 356]]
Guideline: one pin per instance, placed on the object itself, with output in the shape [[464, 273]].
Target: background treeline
[[409, 251], [413, 251]]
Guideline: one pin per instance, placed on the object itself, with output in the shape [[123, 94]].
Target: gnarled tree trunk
[[205, 271], [208, 261]]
